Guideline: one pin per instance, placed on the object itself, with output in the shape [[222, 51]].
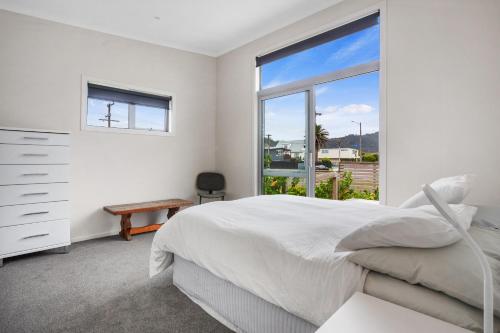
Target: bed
[[239, 260]]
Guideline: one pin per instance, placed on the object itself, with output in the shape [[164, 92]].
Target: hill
[[369, 142]]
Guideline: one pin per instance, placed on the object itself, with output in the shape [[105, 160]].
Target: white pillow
[[421, 227], [453, 190]]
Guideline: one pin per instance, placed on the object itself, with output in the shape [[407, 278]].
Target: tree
[[321, 139], [327, 162]]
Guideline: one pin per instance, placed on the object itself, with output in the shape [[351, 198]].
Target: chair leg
[[200, 199], [222, 198]]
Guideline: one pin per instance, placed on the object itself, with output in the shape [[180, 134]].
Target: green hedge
[[293, 186]]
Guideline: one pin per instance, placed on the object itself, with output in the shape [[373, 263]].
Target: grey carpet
[[102, 285]]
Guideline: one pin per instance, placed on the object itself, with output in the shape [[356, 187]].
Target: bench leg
[[126, 225], [172, 211]]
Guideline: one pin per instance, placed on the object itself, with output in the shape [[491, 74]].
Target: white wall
[[41, 64], [443, 95]]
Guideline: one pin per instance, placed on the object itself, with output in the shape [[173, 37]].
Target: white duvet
[[280, 248]]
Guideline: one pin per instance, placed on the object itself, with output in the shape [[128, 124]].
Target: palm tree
[[321, 139]]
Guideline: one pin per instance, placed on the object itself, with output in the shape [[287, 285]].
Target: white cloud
[[273, 83], [356, 108], [350, 109], [346, 51]]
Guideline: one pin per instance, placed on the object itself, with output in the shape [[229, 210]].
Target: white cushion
[[453, 190], [421, 227]]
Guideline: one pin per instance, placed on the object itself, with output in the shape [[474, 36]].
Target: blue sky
[[339, 102]]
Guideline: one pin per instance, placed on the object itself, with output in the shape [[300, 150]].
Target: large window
[[319, 114], [109, 108]]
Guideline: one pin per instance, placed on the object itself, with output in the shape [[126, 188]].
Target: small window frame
[[170, 115]]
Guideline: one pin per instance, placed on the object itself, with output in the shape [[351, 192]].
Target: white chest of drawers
[[34, 191]]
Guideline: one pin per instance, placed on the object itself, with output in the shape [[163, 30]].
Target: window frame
[[381, 7], [169, 116]]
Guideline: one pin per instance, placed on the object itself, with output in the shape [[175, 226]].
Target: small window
[[116, 109]]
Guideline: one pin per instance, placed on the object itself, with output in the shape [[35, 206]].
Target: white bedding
[[280, 248]]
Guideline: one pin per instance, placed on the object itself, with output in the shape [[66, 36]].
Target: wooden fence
[[364, 174]]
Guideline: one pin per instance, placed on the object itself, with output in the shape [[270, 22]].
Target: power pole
[[360, 140], [360, 143], [107, 117]]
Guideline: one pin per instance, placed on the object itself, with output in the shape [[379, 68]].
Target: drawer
[[30, 213], [33, 138], [30, 174], [33, 193], [31, 154], [34, 236]]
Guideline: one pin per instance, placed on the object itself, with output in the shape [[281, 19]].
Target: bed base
[[234, 307]]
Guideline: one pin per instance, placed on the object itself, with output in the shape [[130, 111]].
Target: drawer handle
[[35, 213], [35, 174], [35, 193], [35, 138], [38, 155], [37, 235]]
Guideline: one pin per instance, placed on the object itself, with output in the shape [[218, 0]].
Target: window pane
[[355, 49], [149, 118], [284, 132], [97, 114], [341, 107]]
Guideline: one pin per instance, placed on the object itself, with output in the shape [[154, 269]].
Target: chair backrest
[[210, 181]]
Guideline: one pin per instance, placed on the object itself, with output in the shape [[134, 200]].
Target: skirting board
[[93, 236]]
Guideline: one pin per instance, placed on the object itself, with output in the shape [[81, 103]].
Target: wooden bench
[[126, 211]]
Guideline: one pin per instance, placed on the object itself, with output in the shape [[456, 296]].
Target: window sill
[[125, 131]]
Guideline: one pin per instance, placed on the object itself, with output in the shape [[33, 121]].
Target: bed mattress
[[235, 307]]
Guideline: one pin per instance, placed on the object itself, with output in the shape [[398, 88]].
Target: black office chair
[[210, 185]]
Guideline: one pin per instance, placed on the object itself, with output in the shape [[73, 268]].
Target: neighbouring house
[[288, 149], [279, 153], [338, 153]]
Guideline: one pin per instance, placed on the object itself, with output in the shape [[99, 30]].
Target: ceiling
[[211, 27]]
